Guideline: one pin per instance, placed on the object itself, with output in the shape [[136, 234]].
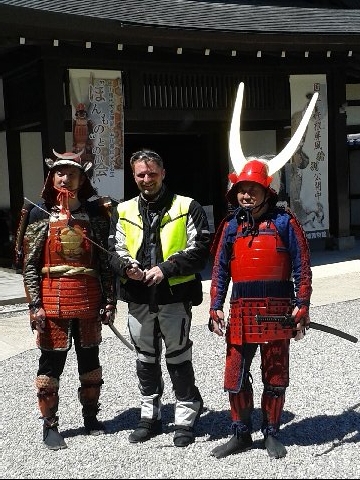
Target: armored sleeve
[[295, 239], [220, 277], [34, 240]]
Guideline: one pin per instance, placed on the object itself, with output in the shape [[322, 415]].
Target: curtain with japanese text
[[307, 171], [98, 126]]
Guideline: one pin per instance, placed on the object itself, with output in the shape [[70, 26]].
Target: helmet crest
[[248, 169]]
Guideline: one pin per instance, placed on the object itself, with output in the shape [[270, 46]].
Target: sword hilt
[[285, 320]]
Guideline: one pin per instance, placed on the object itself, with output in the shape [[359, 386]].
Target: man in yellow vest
[[159, 243]]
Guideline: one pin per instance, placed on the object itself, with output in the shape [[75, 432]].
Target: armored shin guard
[[89, 393], [272, 404], [48, 401], [242, 403]]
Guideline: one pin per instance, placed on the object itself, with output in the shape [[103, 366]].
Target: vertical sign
[[98, 127], [307, 171]]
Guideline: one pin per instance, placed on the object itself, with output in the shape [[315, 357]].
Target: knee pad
[[183, 381], [47, 384], [150, 378], [92, 378]]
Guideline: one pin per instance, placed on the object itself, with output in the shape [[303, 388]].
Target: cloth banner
[[98, 127], [307, 171]]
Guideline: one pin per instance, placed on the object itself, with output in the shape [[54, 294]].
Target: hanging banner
[[307, 171], [98, 126]]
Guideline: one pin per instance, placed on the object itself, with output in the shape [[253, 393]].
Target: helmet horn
[[68, 156], [237, 156], [284, 156]]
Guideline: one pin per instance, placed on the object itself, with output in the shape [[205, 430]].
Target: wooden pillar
[[53, 112], [15, 181], [15, 178]]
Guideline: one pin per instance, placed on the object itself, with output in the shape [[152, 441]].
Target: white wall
[[259, 143], [32, 165], [353, 112]]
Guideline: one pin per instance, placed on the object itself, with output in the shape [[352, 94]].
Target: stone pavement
[[336, 278]]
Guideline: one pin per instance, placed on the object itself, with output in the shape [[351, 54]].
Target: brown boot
[[89, 393], [48, 401]]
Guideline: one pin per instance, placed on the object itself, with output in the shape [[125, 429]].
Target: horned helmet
[[68, 158], [72, 159], [257, 169]]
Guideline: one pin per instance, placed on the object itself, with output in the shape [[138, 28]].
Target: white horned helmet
[[259, 170]]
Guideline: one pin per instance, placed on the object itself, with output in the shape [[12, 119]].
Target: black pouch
[[196, 290]]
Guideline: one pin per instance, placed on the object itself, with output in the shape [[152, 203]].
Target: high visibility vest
[[173, 231]]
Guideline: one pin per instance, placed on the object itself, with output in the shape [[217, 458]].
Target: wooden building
[[181, 62]]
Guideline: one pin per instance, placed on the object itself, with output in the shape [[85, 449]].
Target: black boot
[[51, 436], [91, 424], [239, 442], [274, 447], [145, 430], [183, 436], [234, 445]]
